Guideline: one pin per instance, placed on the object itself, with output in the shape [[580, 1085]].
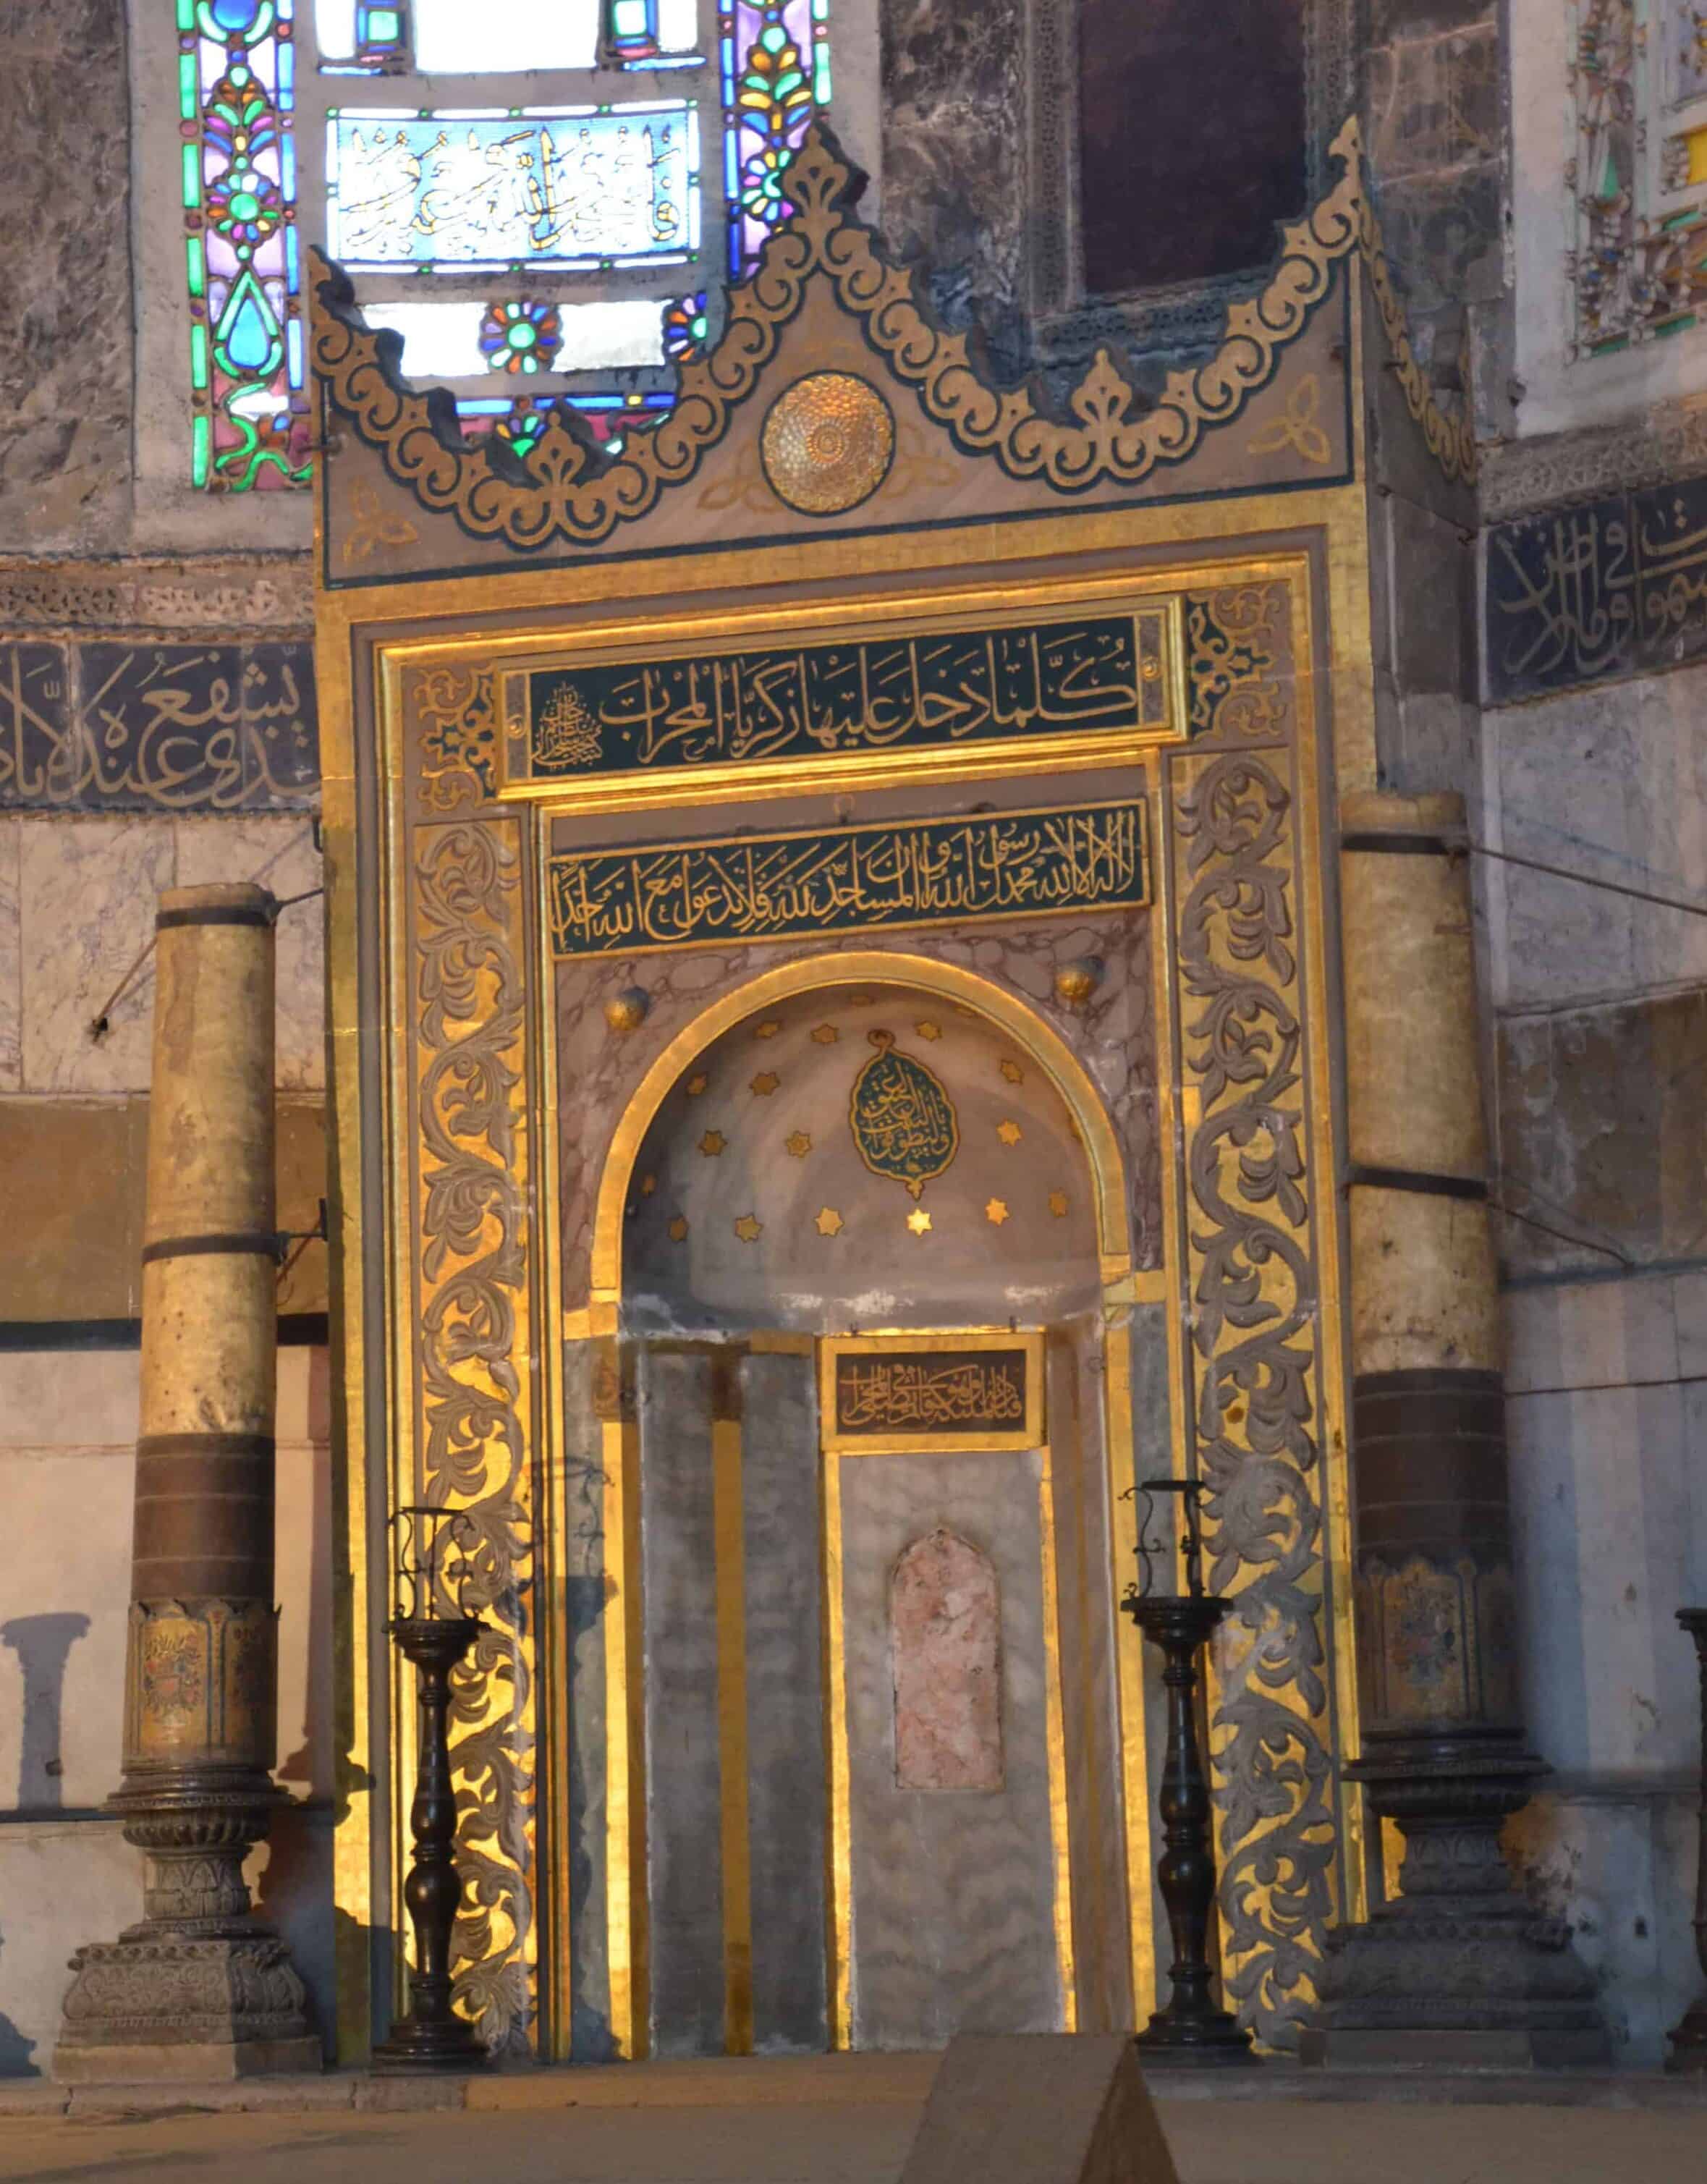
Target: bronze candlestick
[[1688, 2039], [431, 2036], [1191, 2029]]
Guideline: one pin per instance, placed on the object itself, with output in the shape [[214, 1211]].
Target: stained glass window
[[573, 242], [237, 86]]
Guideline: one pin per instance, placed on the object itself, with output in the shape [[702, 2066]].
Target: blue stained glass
[[234, 15], [293, 342], [249, 339]]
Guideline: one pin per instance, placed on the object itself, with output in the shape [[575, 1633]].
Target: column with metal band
[[200, 1987], [1457, 1968]]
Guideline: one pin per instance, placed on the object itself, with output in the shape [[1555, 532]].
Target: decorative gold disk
[[827, 443]]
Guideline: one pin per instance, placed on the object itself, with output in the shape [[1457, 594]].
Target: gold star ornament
[[649, 1184], [797, 1144], [1058, 1204], [1009, 1132], [711, 1143], [995, 1213], [1012, 1071], [825, 1035], [918, 1221], [768, 1030], [928, 1030], [696, 1085], [765, 1082], [749, 1230], [678, 1230], [829, 1222]]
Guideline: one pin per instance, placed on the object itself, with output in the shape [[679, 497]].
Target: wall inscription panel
[[886, 878]]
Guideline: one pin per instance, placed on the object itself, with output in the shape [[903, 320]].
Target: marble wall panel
[[683, 1770], [74, 1172], [88, 889], [65, 345], [1605, 1489], [952, 1901], [1618, 1868], [280, 854], [11, 962], [787, 1793], [66, 1882], [954, 175]]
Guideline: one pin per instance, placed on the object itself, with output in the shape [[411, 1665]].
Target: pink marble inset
[[945, 1621]]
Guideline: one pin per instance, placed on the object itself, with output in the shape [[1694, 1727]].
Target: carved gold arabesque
[[566, 489], [475, 1166], [1252, 1260]]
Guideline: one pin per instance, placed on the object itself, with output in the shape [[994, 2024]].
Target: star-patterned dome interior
[[860, 1156]]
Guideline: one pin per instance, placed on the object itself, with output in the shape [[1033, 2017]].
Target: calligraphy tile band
[[636, 900], [1607, 588], [942, 689], [110, 726]]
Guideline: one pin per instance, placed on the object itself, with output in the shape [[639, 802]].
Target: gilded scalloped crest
[[565, 488]]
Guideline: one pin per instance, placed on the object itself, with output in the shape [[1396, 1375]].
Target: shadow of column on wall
[[42, 1644]]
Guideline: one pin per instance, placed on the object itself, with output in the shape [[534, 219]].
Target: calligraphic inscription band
[[888, 1395], [1614, 587], [943, 689], [914, 872], [121, 727]]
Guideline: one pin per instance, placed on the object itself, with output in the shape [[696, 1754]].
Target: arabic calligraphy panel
[[1102, 674], [1614, 586], [772, 887], [121, 727], [901, 1394]]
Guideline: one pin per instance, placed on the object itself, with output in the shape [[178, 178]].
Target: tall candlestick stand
[[1191, 2028], [432, 2037], [1689, 2038]]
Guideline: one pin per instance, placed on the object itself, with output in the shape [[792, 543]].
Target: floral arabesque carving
[[1253, 1298], [474, 1390], [566, 489]]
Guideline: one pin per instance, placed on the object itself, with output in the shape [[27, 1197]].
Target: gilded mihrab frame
[[475, 1346]]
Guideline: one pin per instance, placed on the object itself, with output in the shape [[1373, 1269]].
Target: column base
[[1687, 2040], [1343, 2049], [158, 2006]]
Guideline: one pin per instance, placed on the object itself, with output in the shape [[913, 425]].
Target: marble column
[[1457, 1969], [200, 1988]]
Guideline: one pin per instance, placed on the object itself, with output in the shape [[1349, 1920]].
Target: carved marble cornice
[[1653, 447], [227, 595]]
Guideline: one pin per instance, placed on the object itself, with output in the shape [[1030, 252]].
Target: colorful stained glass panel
[[574, 186], [521, 336], [236, 90]]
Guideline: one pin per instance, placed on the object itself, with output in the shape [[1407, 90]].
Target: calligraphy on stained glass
[[638, 900]]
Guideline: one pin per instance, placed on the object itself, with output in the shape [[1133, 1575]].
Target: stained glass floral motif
[[775, 68], [684, 326], [521, 337], [574, 186], [236, 87]]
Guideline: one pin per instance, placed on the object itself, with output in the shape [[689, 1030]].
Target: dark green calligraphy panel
[[944, 689], [859, 879]]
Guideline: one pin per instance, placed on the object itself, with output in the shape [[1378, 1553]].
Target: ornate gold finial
[[1076, 982], [827, 443], [627, 1011]]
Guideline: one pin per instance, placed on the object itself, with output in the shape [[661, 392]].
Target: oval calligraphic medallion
[[903, 1121], [827, 443]]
